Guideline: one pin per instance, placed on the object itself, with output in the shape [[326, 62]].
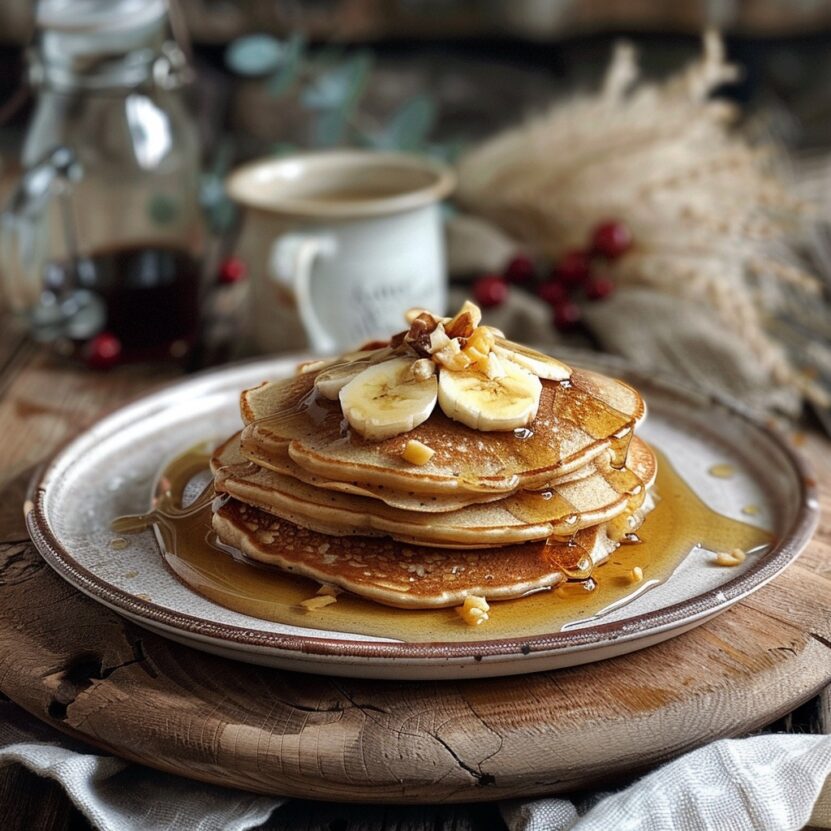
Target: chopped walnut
[[452, 357], [329, 590], [319, 601], [730, 558], [417, 453], [493, 366], [463, 324], [438, 339], [636, 575], [422, 369], [311, 366], [479, 344], [418, 335], [474, 611]]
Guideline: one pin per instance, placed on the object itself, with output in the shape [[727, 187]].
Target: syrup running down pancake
[[446, 468]]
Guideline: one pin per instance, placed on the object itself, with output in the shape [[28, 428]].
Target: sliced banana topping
[[387, 399], [477, 377], [330, 381], [483, 403], [541, 365]]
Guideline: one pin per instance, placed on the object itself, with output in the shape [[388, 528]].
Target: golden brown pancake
[[577, 421], [420, 501], [519, 517], [407, 576]]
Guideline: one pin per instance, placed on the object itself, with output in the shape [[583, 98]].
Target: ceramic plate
[[111, 469]]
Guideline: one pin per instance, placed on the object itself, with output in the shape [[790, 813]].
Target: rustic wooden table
[[44, 401]]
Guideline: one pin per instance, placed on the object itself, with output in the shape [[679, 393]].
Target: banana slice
[[387, 399], [499, 403], [330, 381], [543, 366]]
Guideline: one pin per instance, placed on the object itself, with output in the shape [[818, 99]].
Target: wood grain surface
[[97, 677]]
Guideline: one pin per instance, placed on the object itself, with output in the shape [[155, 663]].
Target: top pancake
[[577, 421]]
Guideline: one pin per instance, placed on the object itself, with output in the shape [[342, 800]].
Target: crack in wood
[[357, 704], [83, 672], [481, 778], [18, 563]]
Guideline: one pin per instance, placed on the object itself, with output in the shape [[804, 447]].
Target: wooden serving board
[[80, 667]]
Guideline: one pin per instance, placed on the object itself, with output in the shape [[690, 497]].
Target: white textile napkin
[[773, 782], [115, 795]]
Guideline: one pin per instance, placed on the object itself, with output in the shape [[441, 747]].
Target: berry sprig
[[578, 273]]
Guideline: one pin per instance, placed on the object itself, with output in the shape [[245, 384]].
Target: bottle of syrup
[[104, 234]]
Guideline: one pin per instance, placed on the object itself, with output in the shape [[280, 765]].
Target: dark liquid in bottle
[[150, 293]]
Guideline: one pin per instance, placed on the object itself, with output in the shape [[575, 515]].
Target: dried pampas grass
[[712, 218]]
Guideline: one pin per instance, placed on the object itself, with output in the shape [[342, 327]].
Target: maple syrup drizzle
[[578, 409], [673, 530], [722, 471]]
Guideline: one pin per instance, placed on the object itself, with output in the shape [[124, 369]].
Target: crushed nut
[[730, 558], [474, 611], [417, 453], [411, 314], [311, 366], [636, 575], [418, 335], [466, 320], [451, 357], [328, 590], [493, 366], [319, 601], [438, 339], [479, 344], [422, 369]]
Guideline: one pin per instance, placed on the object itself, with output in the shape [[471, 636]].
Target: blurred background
[[682, 224]]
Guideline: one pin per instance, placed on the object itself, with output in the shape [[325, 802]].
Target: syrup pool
[[680, 526]]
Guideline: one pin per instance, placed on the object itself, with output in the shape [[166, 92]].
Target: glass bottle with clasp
[[104, 233]]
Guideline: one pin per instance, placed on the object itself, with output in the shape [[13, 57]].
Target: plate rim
[[787, 548]]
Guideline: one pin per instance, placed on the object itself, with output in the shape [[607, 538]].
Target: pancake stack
[[447, 467]]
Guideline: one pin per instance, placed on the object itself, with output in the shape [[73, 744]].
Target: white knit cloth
[[764, 783]]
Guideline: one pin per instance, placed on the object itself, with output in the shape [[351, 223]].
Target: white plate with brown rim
[[742, 473]]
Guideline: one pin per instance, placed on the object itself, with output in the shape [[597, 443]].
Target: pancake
[[519, 517], [281, 462], [401, 575], [577, 421]]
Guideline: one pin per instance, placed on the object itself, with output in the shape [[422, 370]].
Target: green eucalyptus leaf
[[329, 128], [339, 87], [255, 55], [410, 125], [360, 70], [291, 67]]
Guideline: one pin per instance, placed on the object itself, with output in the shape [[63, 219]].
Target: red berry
[[103, 351], [611, 239], [520, 270], [553, 293], [567, 316], [599, 288], [490, 291], [231, 270], [573, 268]]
